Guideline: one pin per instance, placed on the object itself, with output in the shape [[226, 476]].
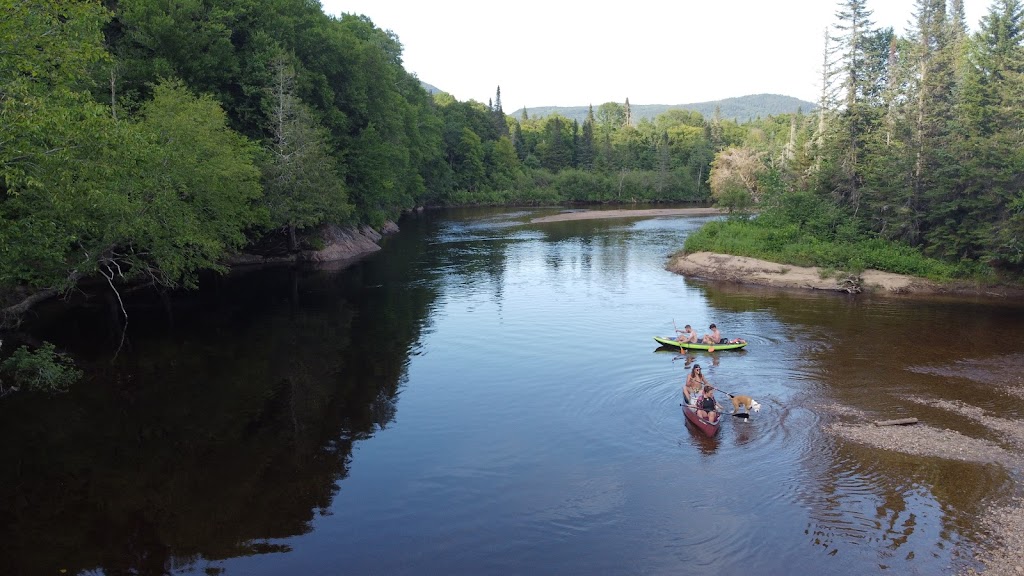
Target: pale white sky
[[573, 53]]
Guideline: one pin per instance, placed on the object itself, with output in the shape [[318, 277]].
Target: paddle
[[681, 349], [722, 391]]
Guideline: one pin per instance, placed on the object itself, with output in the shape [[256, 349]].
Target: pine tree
[[500, 123], [853, 46], [992, 108], [517, 141], [934, 181], [575, 146], [585, 153], [555, 152]]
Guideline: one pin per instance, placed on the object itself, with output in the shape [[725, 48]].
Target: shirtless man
[[686, 335], [713, 337]]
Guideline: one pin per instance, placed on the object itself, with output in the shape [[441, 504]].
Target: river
[[484, 396]]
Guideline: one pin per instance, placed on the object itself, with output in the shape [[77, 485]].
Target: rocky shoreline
[[340, 245]]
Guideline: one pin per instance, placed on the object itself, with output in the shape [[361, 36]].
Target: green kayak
[[666, 341]]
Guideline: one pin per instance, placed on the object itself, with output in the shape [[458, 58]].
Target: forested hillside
[[738, 109]]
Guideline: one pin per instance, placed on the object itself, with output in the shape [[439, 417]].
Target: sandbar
[[744, 270], [626, 213]]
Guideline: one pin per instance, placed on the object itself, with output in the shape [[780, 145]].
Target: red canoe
[[708, 428]]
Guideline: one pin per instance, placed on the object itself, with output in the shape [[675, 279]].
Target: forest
[[143, 141], [912, 161]]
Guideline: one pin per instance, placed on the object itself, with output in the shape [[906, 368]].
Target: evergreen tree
[[500, 122], [517, 140], [855, 56], [934, 181], [575, 146], [585, 153], [994, 178], [554, 150]]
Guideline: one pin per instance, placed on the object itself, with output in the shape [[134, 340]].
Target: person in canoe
[[715, 337], [686, 335], [707, 407], [694, 383]]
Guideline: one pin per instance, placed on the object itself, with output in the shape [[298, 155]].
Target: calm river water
[[484, 396]]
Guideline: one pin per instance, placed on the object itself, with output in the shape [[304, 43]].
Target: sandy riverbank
[[744, 270], [625, 213]]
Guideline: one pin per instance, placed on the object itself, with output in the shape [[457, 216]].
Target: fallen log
[[897, 422]]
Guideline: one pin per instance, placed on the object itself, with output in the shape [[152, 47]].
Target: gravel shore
[[1003, 555]]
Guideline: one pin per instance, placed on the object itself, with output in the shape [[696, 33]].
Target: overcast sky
[[573, 53]]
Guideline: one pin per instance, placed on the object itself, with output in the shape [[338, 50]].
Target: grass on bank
[[788, 243]]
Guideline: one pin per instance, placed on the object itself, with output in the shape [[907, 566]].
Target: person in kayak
[[715, 337], [694, 382], [707, 406], [686, 335]]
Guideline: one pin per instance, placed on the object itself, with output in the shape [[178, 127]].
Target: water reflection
[[225, 423], [255, 427]]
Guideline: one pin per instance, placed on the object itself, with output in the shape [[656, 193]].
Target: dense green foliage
[[171, 135], [788, 242], [607, 159], [915, 150], [42, 370], [151, 140]]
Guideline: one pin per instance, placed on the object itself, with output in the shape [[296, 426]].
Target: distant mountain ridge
[[431, 89], [741, 108]]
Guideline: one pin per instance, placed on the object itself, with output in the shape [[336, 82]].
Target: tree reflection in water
[[226, 421]]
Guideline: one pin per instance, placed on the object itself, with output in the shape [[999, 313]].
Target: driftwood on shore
[[896, 422]]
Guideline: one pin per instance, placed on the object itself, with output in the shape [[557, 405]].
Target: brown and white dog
[[748, 403]]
